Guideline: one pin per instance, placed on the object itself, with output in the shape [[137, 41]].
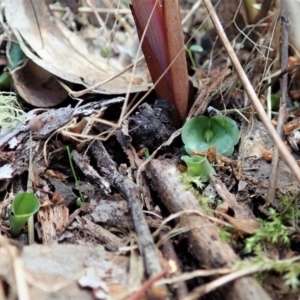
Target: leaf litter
[[106, 245]]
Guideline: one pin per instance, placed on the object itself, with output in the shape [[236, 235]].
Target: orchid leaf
[[24, 205], [199, 166], [201, 133], [196, 48]]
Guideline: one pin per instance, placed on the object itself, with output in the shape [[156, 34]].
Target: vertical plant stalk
[[283, 101], [30, 222], [74, 174], [160, 32], [176, 56]]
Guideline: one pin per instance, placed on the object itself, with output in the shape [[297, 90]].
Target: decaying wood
[[109, 240], [52, 220], [130, 190], [90, 172], [115, 214], [170, 255], [204, 239]]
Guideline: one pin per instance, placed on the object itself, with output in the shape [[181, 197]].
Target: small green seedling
[[146, 153], [24, 205], [80, 200], [199, 166], [105, 51], [201, 133], [193, 48]]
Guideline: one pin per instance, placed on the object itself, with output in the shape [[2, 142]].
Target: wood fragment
[[90, 172], [146, 285], [204, 239], [130, 190], [107, 239], [52, 219], [204, 96], [170, 255]]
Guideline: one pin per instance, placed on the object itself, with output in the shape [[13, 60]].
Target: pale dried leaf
[[46, 41]]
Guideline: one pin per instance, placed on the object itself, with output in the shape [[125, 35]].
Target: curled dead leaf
[[247, 226], [37, 86], [64, 53]]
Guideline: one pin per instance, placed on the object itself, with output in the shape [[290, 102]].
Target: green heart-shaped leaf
[[201, 133]]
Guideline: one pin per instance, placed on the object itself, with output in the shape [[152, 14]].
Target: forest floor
[[104, 196]]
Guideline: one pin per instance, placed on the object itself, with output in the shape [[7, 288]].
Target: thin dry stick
[[146, 285], [213, 285], [30, 221], [283, 102], [290, 161], [99, 19]]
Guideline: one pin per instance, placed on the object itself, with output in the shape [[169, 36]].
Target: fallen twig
[[169, 254], [130, 190], [146, 285], [203, 235]]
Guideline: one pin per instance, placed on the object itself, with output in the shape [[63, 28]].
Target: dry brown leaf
[[52, 46], [37, 86], [247, 226]]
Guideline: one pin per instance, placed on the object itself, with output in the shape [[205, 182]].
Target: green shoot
[[105, 51], [23, 206], [193, 48], [146, 153], [200, 167], [16, 56], [80, 200]]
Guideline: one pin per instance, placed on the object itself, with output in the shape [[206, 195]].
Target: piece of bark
[[130, 190], [90, 173], [115, 214], [52, 219], [204, 237], [66, 191], [170, 256], [110, 241]]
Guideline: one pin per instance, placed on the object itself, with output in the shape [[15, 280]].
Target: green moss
[[10, 111]]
